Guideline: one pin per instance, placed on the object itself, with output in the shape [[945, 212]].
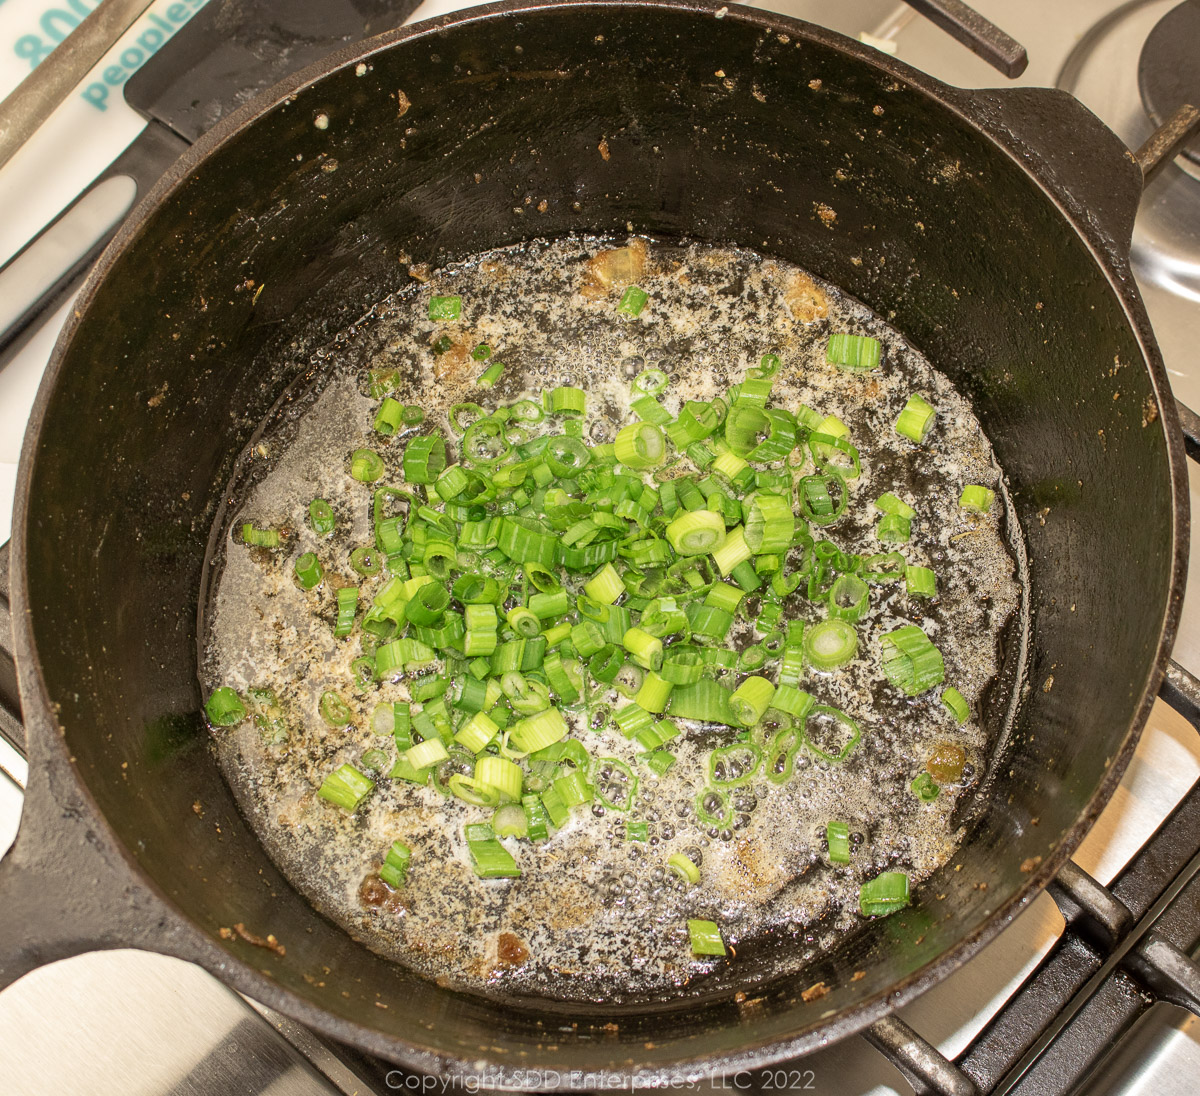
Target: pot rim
[[192, 942]]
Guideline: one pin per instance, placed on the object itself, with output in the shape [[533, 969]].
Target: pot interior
[[438, 143]]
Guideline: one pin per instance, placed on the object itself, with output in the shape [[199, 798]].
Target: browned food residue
[[615, 268], [1030, 864], [804, 299], [946, 762], [269, 942], [510, 950], [453, 366], [603, 147], [814, 993], [402, 103], [826, 213]]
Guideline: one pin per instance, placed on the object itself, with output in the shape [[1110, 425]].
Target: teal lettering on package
[[151, 33]]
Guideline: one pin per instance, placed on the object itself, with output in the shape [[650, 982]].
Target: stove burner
[[1101, 71], [1169, 66]]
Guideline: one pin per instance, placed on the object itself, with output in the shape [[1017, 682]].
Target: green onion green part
[[705, 938]]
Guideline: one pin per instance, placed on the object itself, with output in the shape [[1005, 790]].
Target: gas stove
[[1075, 996]]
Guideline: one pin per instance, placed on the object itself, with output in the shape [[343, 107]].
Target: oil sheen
[[594, 915]]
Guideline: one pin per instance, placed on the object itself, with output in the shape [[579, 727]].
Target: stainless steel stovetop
[[129, 1023]]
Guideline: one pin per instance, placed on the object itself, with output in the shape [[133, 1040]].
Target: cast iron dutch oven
[[990, 227]]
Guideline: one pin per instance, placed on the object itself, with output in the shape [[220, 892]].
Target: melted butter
[[601, 918]]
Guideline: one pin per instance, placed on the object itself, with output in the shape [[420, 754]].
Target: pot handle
[[1093, 176], [65, 887]]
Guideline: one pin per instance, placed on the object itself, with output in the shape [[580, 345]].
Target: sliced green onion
[[389, 417], [537, 821], [395, 864], [490, 375], [467, 788], [425, 458], [308, 570], [839, 722], [705, 938], [568, 400], [605, 586], [366, 465], [781, 753], [770, 524], [650, 382], [713, 808], [499, 773], [477, 733], [445, 308], [566, 456], [708, 622], [891, 504], [683, 867], [886, 893], [426, 753], [259, 538], [647, 650], [732, 551], [366, 561], [637, 831], [427, 605], [632, 719], [916, 420], [321, 517], [402, 654], [346, 787], [750, 699], [654, 693], [606, 663], [523, 622], [696, 533], [614, 783], [894, 529], [795, 702], [573, 789], [924, 788], [539, 731], [849, 598], [883, 567], [659, 761], [682, 665], [510, 821], [837, 835], [640, 445], [956, 703], [224, 707], [489, 858], [347, 607], [732, 766], [976, 498], [633, 300], [334, 710], [910, 660], [816, 503], [920, 581], [830, 644], [706, 700], [855, 353]]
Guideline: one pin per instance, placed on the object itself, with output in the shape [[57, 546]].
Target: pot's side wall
[[674, 123]]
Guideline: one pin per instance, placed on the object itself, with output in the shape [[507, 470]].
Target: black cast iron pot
[[990, 227]]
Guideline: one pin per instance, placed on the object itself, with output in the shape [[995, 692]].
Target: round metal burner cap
[[1169, 67]]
